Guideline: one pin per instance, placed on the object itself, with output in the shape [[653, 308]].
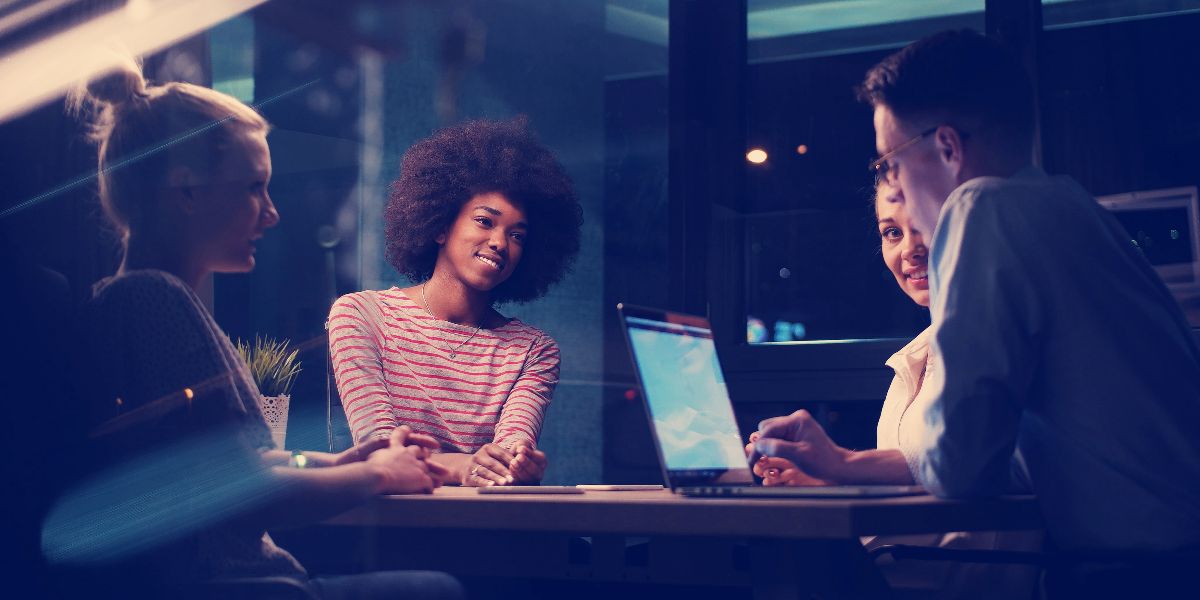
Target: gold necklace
[[454, 350]]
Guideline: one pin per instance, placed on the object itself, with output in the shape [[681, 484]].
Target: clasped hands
[[401, 460], [493, 464], [795, 450]]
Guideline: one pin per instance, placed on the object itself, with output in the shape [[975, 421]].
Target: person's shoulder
[[147, 288], [515, 324], [984, 191], [374, 307], [370, 300], [517, 327], [145, 303], [354, 299], [1030, 185]]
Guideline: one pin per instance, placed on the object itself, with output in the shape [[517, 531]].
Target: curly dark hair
[[442, 172]]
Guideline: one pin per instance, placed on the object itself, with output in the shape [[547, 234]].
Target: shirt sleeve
[[985, 315], [525, 409], [354, 347]]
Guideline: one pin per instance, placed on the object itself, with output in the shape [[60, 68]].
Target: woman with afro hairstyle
[[482, 214]]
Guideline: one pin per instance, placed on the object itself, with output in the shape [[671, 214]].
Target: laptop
[[700, 448]]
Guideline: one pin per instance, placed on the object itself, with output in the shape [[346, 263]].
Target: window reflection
[[347, 88], [814, 272], [791, 29]]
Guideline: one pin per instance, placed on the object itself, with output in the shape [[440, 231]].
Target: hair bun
[[120, 85]]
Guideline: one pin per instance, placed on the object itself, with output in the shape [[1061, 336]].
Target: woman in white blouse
[[905, 255], [900, 426]]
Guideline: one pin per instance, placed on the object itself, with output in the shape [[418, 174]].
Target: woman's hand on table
[[528, 464], [354, 454], [494, 464], [361, 451], [489, 466], [800, 439], [403, 464], [779, 471]]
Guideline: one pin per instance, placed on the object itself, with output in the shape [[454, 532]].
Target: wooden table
[[778, 547]]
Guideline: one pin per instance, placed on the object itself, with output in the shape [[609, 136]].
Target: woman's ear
[[178, 196], [440, 239], [180, 188], [949, 146]]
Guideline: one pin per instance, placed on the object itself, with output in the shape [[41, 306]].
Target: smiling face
[[230, 207], [902, 246], [483, 246]]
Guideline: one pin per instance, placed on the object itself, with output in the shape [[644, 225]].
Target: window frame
[[706, 179]]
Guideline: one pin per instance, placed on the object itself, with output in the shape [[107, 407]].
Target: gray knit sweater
[[163, 373]]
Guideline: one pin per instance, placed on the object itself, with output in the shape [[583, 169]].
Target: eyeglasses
[[880, 168]]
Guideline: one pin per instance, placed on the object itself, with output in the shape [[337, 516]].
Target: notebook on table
[[700, 448]]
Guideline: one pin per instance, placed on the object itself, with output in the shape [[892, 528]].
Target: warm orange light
[[187, 392], [802, 149], [757, 156]]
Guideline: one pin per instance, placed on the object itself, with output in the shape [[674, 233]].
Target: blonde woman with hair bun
[[168, 156], [183, 173]]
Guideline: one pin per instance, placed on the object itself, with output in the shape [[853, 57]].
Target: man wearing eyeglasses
[[1053, 333]]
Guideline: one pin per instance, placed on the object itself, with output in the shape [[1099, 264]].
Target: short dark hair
[[956, 75], [442, 172]]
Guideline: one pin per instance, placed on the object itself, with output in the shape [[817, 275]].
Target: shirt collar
[[913, 355]]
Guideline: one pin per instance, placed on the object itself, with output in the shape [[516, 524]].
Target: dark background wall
[[1119, 104]]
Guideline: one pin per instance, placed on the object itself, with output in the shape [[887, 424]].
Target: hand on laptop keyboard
[[779, 471], [800, 439]]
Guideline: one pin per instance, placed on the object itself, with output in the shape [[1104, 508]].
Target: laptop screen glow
[[686, 394]]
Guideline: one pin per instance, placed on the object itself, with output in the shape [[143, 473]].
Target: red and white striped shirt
[[396, 365]]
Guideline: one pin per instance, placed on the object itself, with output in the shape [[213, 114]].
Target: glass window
[[347, 89], [813, 266], [790, 29], [1057, 14], [1118, 110]]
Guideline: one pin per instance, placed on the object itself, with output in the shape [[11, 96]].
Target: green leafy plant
[[272, 366]]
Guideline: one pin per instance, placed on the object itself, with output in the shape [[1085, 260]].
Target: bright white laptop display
[[689, 405], [700, 448]]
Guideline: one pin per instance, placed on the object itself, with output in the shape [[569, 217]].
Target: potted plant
[[274, 369]]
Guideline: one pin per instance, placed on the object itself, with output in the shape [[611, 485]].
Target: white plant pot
[[275, 412]]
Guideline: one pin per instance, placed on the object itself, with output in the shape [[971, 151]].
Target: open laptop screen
[[690, 412]]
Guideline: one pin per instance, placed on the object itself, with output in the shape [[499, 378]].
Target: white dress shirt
[[902, 428], [1054, 334]]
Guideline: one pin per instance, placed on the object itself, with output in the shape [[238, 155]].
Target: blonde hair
[[143, 131]]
